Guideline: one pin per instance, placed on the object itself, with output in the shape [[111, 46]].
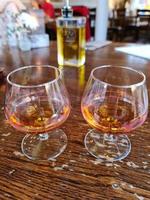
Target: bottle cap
[[67, 11]]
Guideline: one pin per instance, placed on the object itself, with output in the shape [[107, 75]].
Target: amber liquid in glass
[[71, 46], [113, 118], [37, 117]]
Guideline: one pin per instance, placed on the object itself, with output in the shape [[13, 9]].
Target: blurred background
[[128, 20], [118, 20]]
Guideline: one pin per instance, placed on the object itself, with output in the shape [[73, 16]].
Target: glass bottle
[[70, 38]]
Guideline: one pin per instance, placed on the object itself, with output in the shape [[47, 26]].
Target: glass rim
[[32, 86], [123, 67]]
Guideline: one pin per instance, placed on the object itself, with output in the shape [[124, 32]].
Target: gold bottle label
[[70, 35]]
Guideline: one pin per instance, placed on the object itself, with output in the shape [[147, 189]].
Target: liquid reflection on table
[[75, 174]]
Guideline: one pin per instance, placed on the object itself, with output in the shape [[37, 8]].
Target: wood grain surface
[[74, 174]]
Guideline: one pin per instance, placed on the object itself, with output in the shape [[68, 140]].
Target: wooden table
[[75, 174]]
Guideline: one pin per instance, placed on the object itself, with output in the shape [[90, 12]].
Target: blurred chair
[[83, 11], [143, 24], [143, 16], [119, 13], [117, 25]]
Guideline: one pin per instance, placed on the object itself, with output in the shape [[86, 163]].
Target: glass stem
[[43, 136], [110, 137]]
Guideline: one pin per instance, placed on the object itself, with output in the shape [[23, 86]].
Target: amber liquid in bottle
[[37, 117], [71, 45], [113, 118]]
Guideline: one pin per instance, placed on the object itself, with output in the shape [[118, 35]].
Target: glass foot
[[44, 146], [107, 147]]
